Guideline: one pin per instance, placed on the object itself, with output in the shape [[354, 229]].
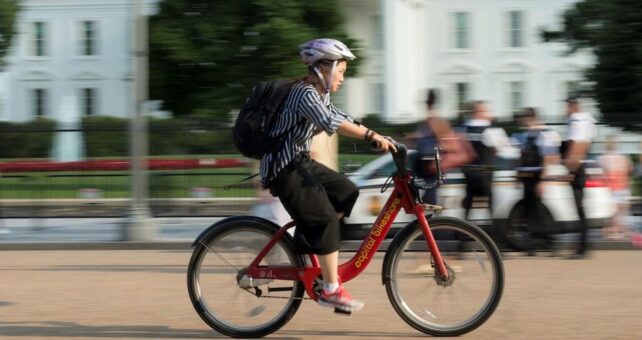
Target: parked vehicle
[[506, 224]]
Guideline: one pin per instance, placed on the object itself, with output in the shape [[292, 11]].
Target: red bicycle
[[443, 276]]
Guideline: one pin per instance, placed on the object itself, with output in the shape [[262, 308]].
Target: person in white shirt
[[580, 133]]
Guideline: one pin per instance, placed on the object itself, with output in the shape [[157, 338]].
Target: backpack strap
[[228, 187]]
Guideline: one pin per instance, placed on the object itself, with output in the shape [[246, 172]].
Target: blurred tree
[[8, 11], [205, 55], [612, 30]]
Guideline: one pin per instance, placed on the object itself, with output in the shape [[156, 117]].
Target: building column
[[405, 58]]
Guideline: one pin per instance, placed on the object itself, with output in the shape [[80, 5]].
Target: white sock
[[330, 288]]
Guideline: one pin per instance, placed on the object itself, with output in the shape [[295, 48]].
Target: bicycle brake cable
[[386, 185]]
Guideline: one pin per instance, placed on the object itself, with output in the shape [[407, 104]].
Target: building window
[[39, 39], [88, 101], [516, 96], [516, 29], [461, 28], [462, 96], [88, 38], [39, 102]]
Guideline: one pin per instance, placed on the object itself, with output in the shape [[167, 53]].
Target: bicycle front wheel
[[230, 302], [435, 305]]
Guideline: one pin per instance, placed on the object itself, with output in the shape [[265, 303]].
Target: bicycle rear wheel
[[216, 267], [444, 307]]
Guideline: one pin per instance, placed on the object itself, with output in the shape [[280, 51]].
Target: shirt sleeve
[[498, 139], [581, 130], [336, 111], [320, 115]]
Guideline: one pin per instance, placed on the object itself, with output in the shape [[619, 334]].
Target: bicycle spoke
[[219, 255]]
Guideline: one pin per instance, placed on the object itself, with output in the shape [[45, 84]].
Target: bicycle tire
[[229, 237], [463, 255]]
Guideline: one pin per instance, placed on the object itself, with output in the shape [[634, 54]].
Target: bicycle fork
[[440, 265]]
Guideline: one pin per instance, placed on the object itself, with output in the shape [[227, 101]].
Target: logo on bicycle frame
[[364, 254]]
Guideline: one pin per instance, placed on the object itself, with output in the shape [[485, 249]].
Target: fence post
[[139, 226]]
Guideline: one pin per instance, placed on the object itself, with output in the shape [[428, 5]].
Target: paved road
[[141, 294]]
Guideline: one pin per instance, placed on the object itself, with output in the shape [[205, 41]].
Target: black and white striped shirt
[[305, 114]]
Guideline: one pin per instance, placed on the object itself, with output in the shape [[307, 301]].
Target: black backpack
[[530, 154], [257, 117]]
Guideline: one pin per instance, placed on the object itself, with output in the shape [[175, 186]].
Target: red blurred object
[[595, 182], [636, 240], [119, 164]]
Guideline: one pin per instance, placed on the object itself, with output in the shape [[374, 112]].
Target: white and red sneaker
[[341, 300]]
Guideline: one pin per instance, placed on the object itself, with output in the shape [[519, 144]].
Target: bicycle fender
[[205, 233]]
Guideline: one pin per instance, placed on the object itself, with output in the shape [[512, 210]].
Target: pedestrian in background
[[617, 170], [487, 141], [433, 132], [539, 148], [575, 148]]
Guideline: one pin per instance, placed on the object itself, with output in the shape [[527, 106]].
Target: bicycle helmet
[[320, 49]]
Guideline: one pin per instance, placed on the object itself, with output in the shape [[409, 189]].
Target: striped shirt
[[305, 114]]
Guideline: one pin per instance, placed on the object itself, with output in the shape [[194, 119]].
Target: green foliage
[[613, 31], [26, 140], [105, 136], [8, 11], [108, 137], [206, 55]]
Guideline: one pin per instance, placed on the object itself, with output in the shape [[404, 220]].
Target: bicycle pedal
[[341, 311]]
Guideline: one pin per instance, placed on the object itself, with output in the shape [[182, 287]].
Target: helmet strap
[[331, 78], [326, 84], [320, 75]]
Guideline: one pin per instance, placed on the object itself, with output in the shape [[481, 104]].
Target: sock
[[330, 288]]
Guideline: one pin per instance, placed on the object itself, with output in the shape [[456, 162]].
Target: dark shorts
[[313, 195]]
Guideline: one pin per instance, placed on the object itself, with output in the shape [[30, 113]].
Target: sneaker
[[341, 300]]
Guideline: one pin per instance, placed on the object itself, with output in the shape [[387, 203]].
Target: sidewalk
[[173, 233], [95, 233]]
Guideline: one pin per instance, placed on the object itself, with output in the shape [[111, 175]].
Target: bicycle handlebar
[[400, 157]]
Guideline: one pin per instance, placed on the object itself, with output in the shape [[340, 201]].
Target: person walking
[[433, 132], [488, 141], [575, 148], [315, 196], [618, 170], [539, 148]]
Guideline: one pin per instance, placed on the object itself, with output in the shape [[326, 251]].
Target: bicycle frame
[[400, 198]]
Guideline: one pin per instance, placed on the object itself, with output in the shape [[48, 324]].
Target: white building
[[80, 51], [469, 49], [76, 51]]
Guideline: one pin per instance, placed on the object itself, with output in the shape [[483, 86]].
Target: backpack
[[425, 149], [257, 117], [530, 154]]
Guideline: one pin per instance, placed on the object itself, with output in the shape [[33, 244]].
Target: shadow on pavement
[[344, 334], [74, 330]]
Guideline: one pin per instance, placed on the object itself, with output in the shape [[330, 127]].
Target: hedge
[[27, 140]]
